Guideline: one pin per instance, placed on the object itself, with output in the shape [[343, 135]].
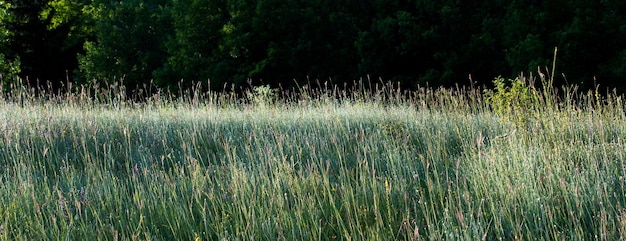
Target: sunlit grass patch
[[430, 164]]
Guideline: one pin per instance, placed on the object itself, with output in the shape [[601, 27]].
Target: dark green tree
[[589, 36], [434, 42], [129, 42], [279, 41], [232, 41], [45, 37], [9, 67], [593, 37], [194, 50]]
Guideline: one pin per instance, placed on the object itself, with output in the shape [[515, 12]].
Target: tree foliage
[[129, 41], [295, 41], [9, 67], [42, 38], [193, 52]]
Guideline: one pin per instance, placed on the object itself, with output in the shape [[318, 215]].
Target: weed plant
[[313, 164]]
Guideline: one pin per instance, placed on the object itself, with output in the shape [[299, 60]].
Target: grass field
[[444, 164]]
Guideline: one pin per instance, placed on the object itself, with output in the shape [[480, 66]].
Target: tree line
[[287, 42]]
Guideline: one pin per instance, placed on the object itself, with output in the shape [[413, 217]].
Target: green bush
[[262, 96], [512, 100]]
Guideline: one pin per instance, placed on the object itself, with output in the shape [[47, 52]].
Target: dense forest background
[[284, 42]]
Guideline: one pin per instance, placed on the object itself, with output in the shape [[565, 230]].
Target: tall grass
[[315, 164]]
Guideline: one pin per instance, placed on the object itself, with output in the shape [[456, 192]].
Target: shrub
[[262, 96], [512, 100]]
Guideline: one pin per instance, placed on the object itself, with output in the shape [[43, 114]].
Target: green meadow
[[513, 163]]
